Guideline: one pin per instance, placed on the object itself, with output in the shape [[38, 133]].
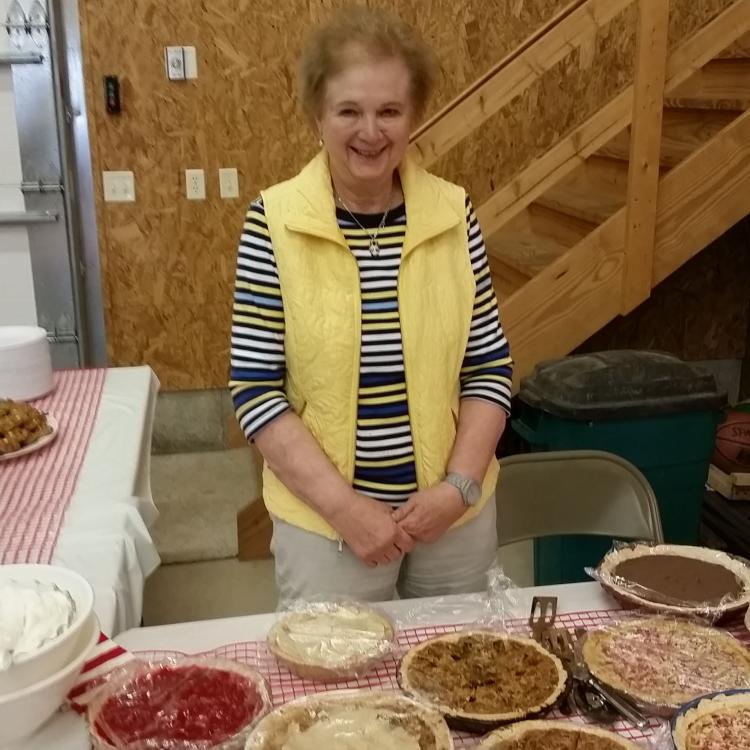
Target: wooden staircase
[[585, 231]]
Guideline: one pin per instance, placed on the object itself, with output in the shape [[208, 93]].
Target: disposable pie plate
[[662, 663], [553, 735], [211, 704], [720, 720], [479, 680], [352, 718], [699, 564], [331, 641], [38, 444]]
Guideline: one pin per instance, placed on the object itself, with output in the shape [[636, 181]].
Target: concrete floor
[[209, 589]]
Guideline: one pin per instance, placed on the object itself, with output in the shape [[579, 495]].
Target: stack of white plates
[[25, 364]]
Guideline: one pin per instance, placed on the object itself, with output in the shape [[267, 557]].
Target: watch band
[[470, 490]]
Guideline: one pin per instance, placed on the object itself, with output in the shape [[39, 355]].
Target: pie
[[677, 579], [191, 702], [663, 662], [479, 680], [554, 735], [20, 425], [329, 641], [352, 720], [718, 723]]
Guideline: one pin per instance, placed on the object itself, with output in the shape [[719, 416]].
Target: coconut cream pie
[[331, 641], [479, 680], [554, 735], [664, 662], [718, 723], [31, 615], [352, 720]]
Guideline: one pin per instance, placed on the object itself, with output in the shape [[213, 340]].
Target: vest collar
[[429, 213]]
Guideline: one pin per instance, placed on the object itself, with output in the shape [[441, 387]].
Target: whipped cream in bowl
[[32, 613], [43, 609]]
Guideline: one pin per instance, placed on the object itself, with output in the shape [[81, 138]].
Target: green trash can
[[651, 408]]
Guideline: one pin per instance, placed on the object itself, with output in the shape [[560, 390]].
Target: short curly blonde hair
[[331, 47]]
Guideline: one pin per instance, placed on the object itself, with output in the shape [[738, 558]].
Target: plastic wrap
[[178, 704], [350, 719], [701, 582], [663, 662], [492, 609], [333, 640]]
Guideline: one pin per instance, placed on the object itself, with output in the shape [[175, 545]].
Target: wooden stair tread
[[535, 238], [593, 192], [683, 131], [720, 84]]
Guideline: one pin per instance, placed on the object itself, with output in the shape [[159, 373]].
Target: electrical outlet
[[119, 187], [195, 184], [174, 61], [229, 185]]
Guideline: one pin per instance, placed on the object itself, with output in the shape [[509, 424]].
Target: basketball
[[732, 448]]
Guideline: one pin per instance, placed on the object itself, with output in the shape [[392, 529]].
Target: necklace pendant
[[374, 248]]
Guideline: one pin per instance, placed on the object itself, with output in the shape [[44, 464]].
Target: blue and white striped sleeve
[[487, 369], [258, 366]]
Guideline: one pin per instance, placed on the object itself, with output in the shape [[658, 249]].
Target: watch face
[[473, 493]]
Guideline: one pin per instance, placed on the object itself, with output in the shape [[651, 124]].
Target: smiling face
[[366, 120]]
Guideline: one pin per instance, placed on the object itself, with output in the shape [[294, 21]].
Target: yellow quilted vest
[[322, 313]]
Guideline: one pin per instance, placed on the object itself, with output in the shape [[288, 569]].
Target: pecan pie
[[330, 641], [554, 735], [480, 680], [664, 662], [718, 723], [20, 425], [356, 720]]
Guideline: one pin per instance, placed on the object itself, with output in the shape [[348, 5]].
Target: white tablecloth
[[67, 731], [104, 535]]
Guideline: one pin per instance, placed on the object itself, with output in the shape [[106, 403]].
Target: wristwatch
[[471, 492]]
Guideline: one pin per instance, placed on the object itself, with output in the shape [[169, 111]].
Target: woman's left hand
[[429, 513]]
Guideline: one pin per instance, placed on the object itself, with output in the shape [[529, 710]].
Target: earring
[[320, 141]]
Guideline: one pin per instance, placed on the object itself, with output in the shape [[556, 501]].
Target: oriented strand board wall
[[167, 262]]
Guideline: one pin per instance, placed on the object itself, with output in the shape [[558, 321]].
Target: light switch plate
[[119, 187], [229, 185], [195, 184], [174, 60]]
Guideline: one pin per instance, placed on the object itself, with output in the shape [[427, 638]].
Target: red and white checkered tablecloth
[[35, 489], [285, 686]]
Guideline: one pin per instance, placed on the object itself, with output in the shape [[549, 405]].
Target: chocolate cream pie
[[663, 663], [721, 722], [479, 680], [355, 720], [329, 641], [554, 735], [678, 579]]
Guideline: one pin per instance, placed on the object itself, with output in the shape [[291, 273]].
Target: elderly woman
[[368, 361]]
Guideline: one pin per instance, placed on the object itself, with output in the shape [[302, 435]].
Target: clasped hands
[[377, 534]]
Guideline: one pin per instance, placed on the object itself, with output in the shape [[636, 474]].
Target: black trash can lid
[[620, 385]]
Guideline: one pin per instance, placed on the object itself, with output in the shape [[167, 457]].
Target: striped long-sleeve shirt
[[384, 460]]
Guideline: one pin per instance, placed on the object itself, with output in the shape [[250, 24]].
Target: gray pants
[[309, 566]]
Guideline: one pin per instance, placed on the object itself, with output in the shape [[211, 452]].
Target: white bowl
[[25, 363], [24, 711], [56, 653]]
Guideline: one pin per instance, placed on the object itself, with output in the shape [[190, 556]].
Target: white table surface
[[67, 731], [104, 535]]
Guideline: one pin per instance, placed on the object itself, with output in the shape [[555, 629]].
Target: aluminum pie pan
[[628, 598]]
